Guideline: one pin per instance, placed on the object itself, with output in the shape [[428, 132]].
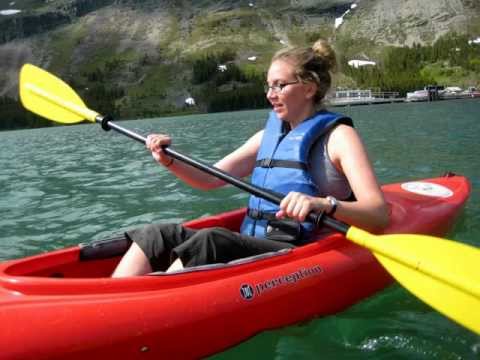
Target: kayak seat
[[214, 266]]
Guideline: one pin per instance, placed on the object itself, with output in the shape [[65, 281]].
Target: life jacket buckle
[[266, 163], [254, 214]]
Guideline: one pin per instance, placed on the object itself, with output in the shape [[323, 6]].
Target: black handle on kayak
[[268, 195]]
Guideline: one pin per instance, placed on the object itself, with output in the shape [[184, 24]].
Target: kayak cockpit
[[87, 269], [99, 258]]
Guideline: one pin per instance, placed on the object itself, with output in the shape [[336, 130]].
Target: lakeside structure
[[362, 97]]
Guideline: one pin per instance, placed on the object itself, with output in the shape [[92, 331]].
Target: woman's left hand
[[297, 206]]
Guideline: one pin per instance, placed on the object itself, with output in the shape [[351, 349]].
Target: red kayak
[[63, 305]]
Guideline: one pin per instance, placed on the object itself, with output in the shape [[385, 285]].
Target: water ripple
[[65, 185]]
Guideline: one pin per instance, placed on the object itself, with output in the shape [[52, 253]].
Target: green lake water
[[65, 185]]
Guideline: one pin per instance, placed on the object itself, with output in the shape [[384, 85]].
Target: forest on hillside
[[407, 69], [401, 69]]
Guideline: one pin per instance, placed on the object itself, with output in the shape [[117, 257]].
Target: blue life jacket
[[283, 166]]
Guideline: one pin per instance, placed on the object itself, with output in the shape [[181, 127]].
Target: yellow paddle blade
[[443, 273], [47, 96]]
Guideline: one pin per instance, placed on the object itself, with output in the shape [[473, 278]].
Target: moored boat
[[63, 304]]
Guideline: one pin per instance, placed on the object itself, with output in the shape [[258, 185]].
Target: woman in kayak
[[313, 156]]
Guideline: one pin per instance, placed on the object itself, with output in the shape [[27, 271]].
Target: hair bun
[[324, 50]]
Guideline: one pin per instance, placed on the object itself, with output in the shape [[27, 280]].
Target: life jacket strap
[[270, 163]]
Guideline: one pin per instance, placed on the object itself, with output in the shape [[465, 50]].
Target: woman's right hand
[[156, 143]]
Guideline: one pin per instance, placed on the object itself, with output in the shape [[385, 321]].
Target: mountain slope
[[404, 22], [138, 57]]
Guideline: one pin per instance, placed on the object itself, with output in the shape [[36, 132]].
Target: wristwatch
[[333, 203]]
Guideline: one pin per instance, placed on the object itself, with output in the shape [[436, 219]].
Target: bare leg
[[133, 263], [176, 265]]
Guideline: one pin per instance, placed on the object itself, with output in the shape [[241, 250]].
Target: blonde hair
[[312, 64]]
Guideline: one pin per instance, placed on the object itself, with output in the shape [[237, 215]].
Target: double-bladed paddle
[[443, 273]]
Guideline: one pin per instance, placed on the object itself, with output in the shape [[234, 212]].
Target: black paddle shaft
[[268, 195]]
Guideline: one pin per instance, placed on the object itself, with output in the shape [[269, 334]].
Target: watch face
[[332, 200], [333, 203]]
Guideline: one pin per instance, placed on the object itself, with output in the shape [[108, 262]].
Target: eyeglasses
[[278, 88]]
